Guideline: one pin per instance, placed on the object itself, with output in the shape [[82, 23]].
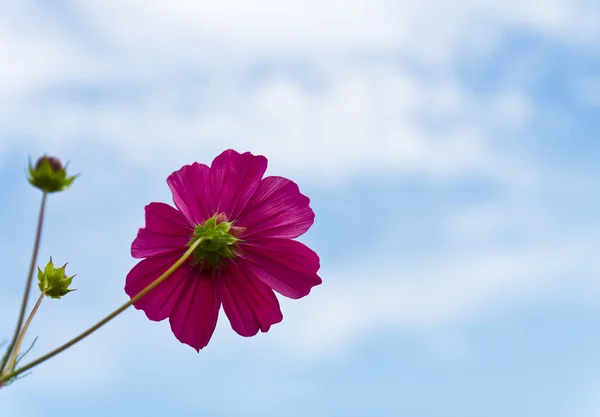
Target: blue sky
[[450, 155]]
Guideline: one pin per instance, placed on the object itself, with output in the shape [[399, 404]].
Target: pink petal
[[277, 209], [234, 179], [249, 304], [192, 192], [166, 231], [194, 317], [287, 266], [159, 302]]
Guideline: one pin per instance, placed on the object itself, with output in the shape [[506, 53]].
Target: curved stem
[[108, 318], [15, 354], [36, 246]]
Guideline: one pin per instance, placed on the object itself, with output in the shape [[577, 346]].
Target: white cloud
[[267, 26], [372, 112], [366, 120], [360, 301]]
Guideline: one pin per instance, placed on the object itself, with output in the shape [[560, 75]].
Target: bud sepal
[[54, 283], [49, 175]]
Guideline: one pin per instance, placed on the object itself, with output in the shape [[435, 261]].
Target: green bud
[[53, 282], [49, 175], [217, 240]]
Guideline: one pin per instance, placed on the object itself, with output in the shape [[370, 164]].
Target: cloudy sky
[[450, 153]]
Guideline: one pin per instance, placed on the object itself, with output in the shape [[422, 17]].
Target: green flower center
[[217, 241]]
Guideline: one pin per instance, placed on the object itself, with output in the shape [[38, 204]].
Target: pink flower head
[[247, 224]]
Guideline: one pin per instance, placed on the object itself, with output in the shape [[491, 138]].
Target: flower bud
[[53, 282], [49, 175]]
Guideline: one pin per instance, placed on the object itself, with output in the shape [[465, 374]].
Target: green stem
[[108, 318], [13, 359], [36, 246]]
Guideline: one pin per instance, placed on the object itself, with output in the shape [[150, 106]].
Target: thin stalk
[[108, 318], [36, 246], [13, 359]]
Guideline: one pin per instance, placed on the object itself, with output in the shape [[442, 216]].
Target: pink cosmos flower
[[247, 224]]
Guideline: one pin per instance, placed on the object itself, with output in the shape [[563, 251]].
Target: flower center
[[218, 238]]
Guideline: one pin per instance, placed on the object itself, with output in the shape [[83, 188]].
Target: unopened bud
[[49, 175], [53, 282]]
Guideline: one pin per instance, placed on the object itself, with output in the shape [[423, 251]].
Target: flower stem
[[13, 359], [105, 320], [36, 246]]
